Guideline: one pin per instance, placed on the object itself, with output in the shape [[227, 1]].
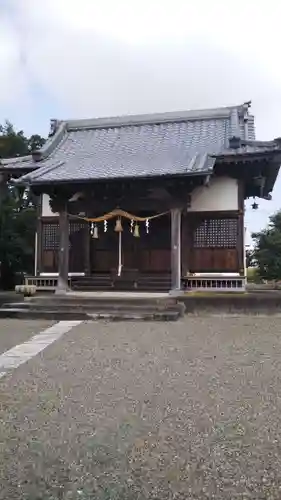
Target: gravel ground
[[134, 411], [16, 331]]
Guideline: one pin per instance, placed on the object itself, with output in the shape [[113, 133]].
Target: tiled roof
[[185, 143], [18, 163]]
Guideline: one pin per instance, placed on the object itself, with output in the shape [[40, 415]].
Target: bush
[[253, 275]]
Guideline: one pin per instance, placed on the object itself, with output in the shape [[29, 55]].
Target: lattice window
[[219, 233], [75, 226], [50, 236]]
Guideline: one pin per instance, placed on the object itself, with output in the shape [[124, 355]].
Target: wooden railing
[[189, 283], [214, 283], [43, 283]]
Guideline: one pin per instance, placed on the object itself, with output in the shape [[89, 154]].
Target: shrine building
[[147, 202]]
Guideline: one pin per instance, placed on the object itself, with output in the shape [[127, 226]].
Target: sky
[[89, 58]]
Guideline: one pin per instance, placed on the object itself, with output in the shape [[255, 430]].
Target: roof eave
[[247, 156], [272, 157], [57, 134], [16, 170], [271, 179], [29, 182]]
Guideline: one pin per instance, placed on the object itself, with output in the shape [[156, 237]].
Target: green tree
[[267, 253], [13, 144], [17, 211], [250, 260], [35, 142], [17, 237]]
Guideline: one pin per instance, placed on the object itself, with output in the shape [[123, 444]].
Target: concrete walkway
[[138, 411], [119, 295], [14, 331]]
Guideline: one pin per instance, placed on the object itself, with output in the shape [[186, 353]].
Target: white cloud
[[108, 57], [12, 80], [131, 56]]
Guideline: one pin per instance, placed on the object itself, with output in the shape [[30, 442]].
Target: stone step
[[60, 315], [89, 306], [142, 277], [92, 307], [107, 281], [101, 299], [147, 281], [153, 289], [103, 288], [90, 280], [86, 284], [26, 314], [83, 306], [91, 288], [144, 282], [156, 279]]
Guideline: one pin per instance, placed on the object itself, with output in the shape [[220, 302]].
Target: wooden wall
[[148, 253], [49, 244], [211, 242]]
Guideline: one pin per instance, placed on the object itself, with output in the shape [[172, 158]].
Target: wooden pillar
[[87, 242], [38, 238], [175, 250], [62, 286], [186, 242], [38, 250], [241, 230], [241, 243], [3, 187]]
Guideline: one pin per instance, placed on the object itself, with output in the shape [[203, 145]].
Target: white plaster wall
[[46, 209], [221, 194]]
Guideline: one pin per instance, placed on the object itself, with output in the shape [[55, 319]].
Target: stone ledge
[[242, 303], [9, 297]]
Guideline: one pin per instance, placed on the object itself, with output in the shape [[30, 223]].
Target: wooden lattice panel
[[75, 226], [50, 233], [216, 233], [50, 236]]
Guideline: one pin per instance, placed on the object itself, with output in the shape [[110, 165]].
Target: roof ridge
[[56, 136], [44, 169], [151, 118], [59, 128]]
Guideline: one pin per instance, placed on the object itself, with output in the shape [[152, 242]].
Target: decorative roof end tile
[[36, 155], [235, 142], [54, 123]]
